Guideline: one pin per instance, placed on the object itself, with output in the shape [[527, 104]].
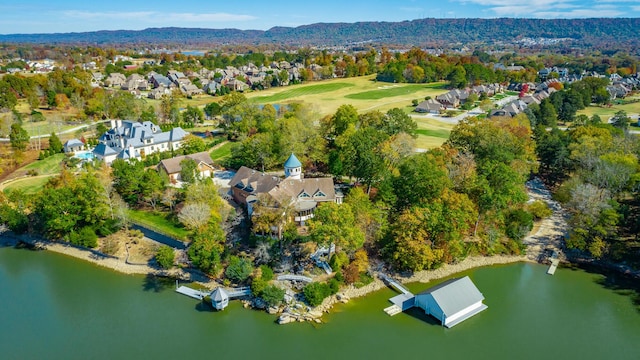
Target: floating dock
[[193, 293], [554, 263]]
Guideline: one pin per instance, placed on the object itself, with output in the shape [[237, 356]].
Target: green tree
[[272, 295], [8, 99], [316, 292], [193, 114], [18, 137], [55, 145], [336, 223], [188, 171], [239, 269], [165, 256], [205, 249]]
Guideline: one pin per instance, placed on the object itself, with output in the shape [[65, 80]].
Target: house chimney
[[119, 123], [112, 123], [121, 142]]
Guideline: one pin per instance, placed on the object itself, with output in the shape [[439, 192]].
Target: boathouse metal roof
[[455, 295]]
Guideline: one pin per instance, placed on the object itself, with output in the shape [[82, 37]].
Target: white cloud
[[153, 16], [555, 8], [579, 13]]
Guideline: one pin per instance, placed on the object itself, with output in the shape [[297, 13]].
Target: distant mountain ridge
[[421, 32]]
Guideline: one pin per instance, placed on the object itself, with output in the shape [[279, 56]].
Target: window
[[319, 194], [304, 195]]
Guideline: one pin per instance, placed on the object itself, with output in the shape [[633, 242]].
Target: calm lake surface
[[56, 307]]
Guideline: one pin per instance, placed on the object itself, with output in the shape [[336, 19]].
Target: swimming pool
[[84, 155]]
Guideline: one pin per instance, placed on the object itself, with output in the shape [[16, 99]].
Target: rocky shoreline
[[547, 236]]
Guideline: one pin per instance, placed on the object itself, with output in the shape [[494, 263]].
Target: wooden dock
[[553, 266], [196, 294]]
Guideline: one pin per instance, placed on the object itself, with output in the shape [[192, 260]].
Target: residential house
[[73, 145], [115, 80], [173, 167], [430, 106], [131, 139], [303, 195]]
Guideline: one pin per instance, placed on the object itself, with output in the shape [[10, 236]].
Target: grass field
[[364, 93], [30, 185], [299, 91], [606, 112], [158, 222], [431, 133], [50, 165], [222, 152]]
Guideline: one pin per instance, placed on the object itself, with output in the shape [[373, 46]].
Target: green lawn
[[363, 92], [50, 165], [159, 222], [606, 112], [439, 133], [28, 185], [300, 90], [222, 152], [390, 90]]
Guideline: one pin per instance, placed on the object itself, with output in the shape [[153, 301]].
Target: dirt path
[[551, 230]]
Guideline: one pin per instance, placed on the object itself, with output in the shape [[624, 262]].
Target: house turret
[[293, 168]]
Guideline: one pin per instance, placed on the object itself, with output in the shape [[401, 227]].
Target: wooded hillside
[[601, 32]]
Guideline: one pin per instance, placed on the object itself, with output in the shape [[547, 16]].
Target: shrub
[[338, 261], [518, 224], [257, 286], [316, 292], [267, 273], [239, 269], [539, 209], [85, 237], [110, 246], [165, 256], [272, 295]]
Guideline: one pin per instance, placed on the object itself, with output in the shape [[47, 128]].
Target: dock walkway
[[401, 302], [554, 264]]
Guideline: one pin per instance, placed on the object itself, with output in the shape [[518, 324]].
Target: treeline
[[595, 32]]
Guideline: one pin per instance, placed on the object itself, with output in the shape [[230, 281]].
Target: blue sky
[[39, 16]]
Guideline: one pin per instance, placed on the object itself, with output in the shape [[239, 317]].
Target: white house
[[131, 139], [452, 301]]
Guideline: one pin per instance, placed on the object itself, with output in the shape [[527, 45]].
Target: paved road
[[163, 239]]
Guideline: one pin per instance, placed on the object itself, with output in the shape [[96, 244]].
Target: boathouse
[[219, 298], [452, 301]]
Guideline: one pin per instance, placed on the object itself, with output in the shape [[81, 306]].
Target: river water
[[56, 307]]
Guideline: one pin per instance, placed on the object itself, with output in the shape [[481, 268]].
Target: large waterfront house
[[452, 301], [173, 167], [133, 140], [303, 195]]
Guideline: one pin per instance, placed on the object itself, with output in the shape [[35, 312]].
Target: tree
[[18, 137], [397, 121], [193, 114], [335, 223], [411, 247], [316, 292], [8, 99], [239, 269], [195, 216], [620, 120], [421, 178], [212, 109], [272, 295], [192, 144], [188, 171], [165, 256], [205, 249], [55, 145]]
